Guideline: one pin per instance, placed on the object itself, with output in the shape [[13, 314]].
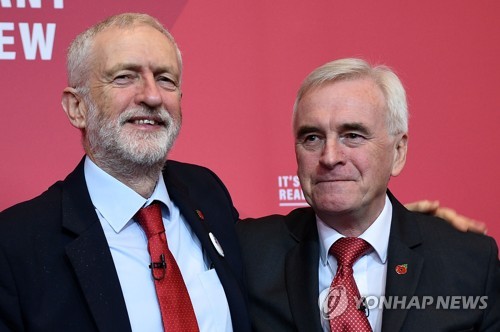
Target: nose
[[332, 153], [148, 92]]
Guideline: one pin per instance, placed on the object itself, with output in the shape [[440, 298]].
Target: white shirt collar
[[377, 235], [116, 202]]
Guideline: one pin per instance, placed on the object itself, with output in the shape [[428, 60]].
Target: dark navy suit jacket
[[56, 269], [281, 255]]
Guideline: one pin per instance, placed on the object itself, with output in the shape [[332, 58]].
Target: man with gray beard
[[77, 257]]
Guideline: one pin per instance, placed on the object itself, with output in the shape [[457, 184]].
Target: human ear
[[74, 107], [401, 148]]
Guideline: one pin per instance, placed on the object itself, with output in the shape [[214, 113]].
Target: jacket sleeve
[[10, 314]]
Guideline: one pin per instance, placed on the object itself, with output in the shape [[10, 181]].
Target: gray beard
[[129, 154]]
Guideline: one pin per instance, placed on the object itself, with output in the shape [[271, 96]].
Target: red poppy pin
[[402, 269], [200, 215]]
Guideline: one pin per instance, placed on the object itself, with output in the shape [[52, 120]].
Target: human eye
[[353, 139], [123, 78], [167, 82], [311, 141]]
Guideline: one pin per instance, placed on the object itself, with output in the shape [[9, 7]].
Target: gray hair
[[79, 52], [351, 69]]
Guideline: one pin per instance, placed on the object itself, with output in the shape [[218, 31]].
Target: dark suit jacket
[[56, 269], [281, 256]]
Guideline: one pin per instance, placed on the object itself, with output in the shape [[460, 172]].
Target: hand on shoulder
[[458, 221]]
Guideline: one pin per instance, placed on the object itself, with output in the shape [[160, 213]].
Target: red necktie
[[344, 299], [176, 309]]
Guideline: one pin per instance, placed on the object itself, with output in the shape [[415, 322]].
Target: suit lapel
[[90, 256], [198, 222], [202, 226], [301, 273], [404, 237]]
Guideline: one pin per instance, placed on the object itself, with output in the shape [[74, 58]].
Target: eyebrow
[[137, 68], [351, 126], [304, 130], [354, 126], [122, 66]]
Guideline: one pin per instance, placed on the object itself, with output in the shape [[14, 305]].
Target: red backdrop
[[243, 64]]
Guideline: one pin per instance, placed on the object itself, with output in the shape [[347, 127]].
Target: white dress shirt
[[116, 204], [369, 271]]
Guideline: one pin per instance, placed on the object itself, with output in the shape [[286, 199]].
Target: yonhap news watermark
[[333, 302]]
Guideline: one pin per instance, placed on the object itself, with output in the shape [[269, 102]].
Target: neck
[[141, 178], [349, 228]]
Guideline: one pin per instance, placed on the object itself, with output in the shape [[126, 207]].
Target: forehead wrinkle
[[100, 43]]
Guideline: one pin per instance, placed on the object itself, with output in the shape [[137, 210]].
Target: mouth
[[332, 181], [146, 121]]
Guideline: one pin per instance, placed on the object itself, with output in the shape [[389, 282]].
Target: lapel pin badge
[[200, 215], [402, 269], [216, 244]]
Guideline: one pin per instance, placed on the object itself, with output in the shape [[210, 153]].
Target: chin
[[147, 158], [334, 205]]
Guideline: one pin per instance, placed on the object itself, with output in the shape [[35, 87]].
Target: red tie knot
[[348, 250], [150, 219]]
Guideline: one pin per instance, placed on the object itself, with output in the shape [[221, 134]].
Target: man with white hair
[[357, 260]]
